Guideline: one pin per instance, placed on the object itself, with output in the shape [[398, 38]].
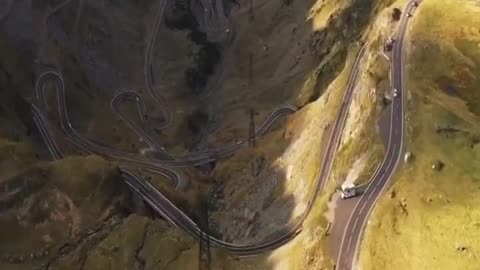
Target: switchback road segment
[[167, 209], [92, 146], [155, 198], [181, 220]]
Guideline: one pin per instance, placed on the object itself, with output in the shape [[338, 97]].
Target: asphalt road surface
[[358, 218], [154, 197], [149, 193], [179, 219]]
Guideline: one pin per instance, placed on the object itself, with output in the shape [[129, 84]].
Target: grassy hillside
[[50, 204], [278, 190], [302, 53], [430, 219], [73, 214], [15, 157]]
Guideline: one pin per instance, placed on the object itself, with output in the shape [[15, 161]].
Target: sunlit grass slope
[[430, 220]]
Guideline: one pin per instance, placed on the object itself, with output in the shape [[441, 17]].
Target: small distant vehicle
[[227, 30], [409, 14], [389, 44], [348, 190], [388, 47], [395, 92], [415, 3]]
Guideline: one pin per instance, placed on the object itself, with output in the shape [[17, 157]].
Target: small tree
[[396, 14]]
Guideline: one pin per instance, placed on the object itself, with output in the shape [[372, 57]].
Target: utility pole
[[250, 70], [251, 130], [204, 253]]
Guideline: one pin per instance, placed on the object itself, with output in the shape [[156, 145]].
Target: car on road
[[395, 92], [348, 190], [389, 44], [409, 14]]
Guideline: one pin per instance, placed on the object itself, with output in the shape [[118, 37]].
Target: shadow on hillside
[[258, 205], [325, 38]]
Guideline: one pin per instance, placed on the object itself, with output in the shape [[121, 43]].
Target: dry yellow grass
[[432, 222]]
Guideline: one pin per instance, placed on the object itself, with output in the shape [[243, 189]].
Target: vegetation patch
[[429, 220], [208, 55]]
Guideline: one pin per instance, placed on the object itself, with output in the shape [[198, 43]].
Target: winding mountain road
[[100, 149], [147, 137], [356, 224], [214, 19], [46, 133], [148, 68], [166, 208], [166, 166], [181, 220]]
